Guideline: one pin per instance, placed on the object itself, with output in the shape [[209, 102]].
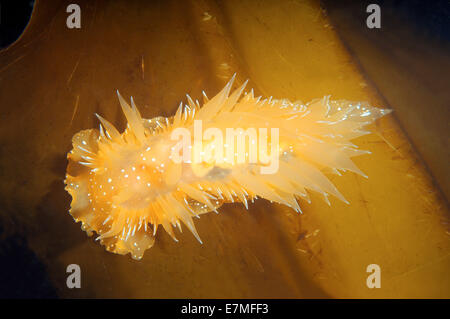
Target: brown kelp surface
[[53, 80]]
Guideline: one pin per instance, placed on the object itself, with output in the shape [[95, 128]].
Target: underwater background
[[53, 79]]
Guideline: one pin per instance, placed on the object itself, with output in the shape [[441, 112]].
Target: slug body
[[124, 185]]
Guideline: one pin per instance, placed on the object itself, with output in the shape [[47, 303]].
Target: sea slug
[[236, 147]]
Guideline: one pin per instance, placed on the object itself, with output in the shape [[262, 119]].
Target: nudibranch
[[164, 171]]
